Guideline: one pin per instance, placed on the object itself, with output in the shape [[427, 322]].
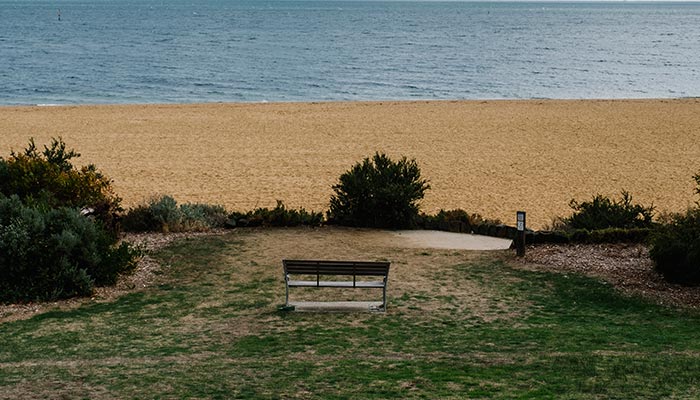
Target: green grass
[[212, 330]]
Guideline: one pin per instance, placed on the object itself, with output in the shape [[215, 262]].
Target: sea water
[[176, 51]]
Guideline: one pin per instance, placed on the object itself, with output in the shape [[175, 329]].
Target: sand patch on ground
[[489, 157], [447, 240]]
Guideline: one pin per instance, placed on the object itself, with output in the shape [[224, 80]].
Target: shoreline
[[491, 157], [205, 103]]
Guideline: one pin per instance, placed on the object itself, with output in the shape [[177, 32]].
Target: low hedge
[[462, 222], [456, 220], [278, 216], [610, 235]]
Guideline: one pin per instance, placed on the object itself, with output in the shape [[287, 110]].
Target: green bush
[[378, 192], [603, 213], [201, 217], [166, 212], [675, 247], [48, 178], [58, 227], [162, 214], [278, 216], [52, 253], [141, 219]]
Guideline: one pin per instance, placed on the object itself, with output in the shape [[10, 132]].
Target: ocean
[[183, 51]]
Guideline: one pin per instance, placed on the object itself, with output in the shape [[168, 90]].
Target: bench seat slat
[[334, 262], [339, 284], [337, 272]]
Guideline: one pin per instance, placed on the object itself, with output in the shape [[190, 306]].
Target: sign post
[[520, 235]]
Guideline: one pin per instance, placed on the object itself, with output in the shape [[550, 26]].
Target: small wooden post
[[520, 235]]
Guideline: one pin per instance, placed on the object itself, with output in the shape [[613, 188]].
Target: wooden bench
[[326, 268]]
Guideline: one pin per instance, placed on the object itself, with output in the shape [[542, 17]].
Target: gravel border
[[627, 267]]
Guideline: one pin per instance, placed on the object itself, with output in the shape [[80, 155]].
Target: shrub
[[57, 227], [49, 178], [166, 213], [603, 213], [378, 192], [162, 214], [278, 216], [140, 219], [199, 217], [52, 253], [675, 247]]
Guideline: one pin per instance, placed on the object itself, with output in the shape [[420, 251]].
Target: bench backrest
[[327, 267]]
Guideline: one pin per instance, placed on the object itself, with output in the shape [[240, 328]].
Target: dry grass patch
[[419, 282], [459, 324]]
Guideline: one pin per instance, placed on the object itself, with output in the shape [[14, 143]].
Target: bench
[[326, 268]]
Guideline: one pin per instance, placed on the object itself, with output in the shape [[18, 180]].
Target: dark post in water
[[520, 235]]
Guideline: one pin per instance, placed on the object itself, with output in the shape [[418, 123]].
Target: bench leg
[[286, 294], [384, 298]]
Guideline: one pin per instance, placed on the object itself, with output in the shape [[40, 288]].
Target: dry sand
[[490, 157]]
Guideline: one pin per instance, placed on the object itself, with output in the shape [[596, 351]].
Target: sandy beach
[[489, 157]]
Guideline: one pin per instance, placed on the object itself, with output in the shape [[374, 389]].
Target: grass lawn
[[459, 325]]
